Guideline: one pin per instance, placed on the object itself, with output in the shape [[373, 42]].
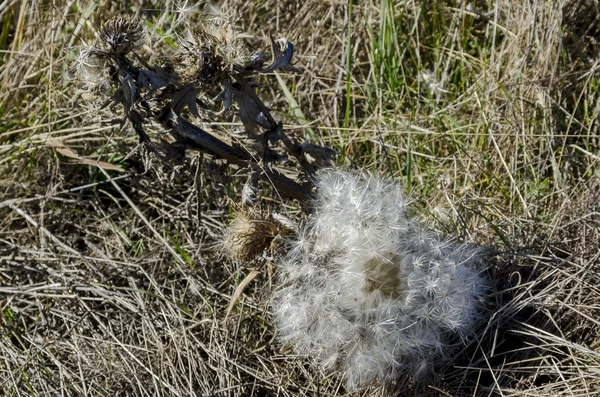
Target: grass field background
[[112, 276]]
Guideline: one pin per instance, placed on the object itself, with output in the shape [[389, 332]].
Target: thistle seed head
[[367, 289], [122, 35], [91, 70], [249, 234]]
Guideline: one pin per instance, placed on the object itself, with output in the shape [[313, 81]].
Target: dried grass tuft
[[113, 283]]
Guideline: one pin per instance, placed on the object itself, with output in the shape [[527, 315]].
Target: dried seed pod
[[122, 35], [249, 234]]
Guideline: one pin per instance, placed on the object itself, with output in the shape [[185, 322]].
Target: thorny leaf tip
[[283, 51]]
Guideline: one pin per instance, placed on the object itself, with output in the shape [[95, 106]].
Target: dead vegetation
[[112, 279]]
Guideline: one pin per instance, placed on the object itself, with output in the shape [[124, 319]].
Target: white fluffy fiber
[[368, 290]]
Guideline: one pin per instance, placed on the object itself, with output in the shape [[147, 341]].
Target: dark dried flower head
[[122, 35], [221, 35], [211, 51], [248, 235]]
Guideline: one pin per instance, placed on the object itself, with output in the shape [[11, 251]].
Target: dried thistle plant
[[366, 288], [211, 64]]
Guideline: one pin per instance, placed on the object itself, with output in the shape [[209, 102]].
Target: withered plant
[[213, 64], [415, 291]]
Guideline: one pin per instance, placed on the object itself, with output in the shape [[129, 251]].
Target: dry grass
[[111, 279]]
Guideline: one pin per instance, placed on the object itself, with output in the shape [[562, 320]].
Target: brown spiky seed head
[[249, 234], [122, 35]]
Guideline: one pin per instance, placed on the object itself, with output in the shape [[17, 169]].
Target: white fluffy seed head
[[368, 289], [90, 70]]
